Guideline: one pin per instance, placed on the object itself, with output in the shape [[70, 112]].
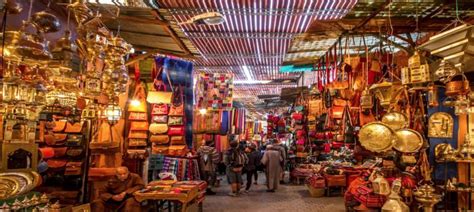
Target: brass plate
[[9, 187], [395, 120], [376, 137], [408, 141], [440, 125]]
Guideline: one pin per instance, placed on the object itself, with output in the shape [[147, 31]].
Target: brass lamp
[[386, 92], [426, 197]]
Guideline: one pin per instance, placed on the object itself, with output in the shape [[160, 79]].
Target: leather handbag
[[297, 116], [136, 153], [300, 133], [156, 128], [73, 168], [56, 163], [159, 109], [138, 134], [159, 139], [175, 131], [139, 126], [159, 118], [155, 97], [337, 112], [159, 149], [47, 152], [59, 151], [177, 150], [177, 140], [137, 142], [74, 140], [59, 126], [74, 152], [139, 95], [73, 128], [175, 120], [177, 108], [55, 139], [161, 95], [137, 116]]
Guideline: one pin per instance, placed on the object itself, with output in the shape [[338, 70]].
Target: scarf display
[[183, 168]]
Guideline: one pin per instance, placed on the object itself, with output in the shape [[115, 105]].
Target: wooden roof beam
[[173, 35], [372, 15], [401, 47]]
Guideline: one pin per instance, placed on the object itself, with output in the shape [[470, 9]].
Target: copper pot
[[458, 87]]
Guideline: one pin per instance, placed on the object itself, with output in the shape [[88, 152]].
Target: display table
[[184, 192]]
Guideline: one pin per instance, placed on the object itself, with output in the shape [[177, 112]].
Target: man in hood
[[208, 160]]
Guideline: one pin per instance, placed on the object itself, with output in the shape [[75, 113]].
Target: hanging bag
[[160, 95], [177, 108], [140, 96]]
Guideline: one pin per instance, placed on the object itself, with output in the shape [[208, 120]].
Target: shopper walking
[[283, 151], [251, 167], [272, 159], [235, 161], [208, 160]]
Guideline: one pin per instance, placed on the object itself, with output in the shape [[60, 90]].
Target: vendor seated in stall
[[118, 192]]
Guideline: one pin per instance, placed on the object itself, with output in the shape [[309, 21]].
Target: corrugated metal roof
[[256, 33]]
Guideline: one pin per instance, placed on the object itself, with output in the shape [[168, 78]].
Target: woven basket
[[315, 192]]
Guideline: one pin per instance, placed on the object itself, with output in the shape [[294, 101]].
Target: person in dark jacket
[[251, 167]]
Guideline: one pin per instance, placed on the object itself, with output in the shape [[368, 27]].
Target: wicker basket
[[315, 192]]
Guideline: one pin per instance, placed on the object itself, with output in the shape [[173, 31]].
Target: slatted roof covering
[[256, 34], [371, 17]]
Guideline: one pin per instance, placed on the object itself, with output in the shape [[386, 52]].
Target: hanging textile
[[183, 168]]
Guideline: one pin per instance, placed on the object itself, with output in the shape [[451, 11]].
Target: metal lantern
[[366, 100], [381, 185], [90, 112], [113, 113], [386, 92]]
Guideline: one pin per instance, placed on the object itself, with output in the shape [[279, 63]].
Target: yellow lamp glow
[[203, 111]]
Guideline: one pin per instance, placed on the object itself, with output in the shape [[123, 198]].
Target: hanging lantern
[[445, 71], [366, 100], [90, 112], [386, 92], [113, 113]]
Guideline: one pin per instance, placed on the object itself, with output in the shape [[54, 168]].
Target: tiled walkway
[[293, 198]]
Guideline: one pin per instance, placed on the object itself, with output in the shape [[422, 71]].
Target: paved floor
[[293, 198]]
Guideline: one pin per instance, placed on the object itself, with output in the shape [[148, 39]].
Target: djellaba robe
[[272, 159], [114, 186]]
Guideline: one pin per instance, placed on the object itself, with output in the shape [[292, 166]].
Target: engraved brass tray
[[408, 141], [377, 137], [395, 120]]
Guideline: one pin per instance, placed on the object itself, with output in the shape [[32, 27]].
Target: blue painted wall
[[450, 167]]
